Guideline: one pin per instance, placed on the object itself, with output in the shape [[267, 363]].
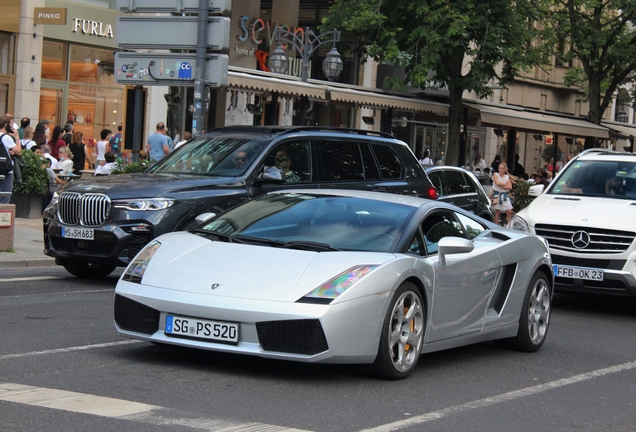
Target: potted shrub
[[27, 195]]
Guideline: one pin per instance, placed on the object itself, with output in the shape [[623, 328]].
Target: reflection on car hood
[[186, 262], [145, 185], [581, 211]]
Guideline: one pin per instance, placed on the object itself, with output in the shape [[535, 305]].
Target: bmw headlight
[[339, 284], [517, 223], [136, 269], [144, 204], [54, 199]]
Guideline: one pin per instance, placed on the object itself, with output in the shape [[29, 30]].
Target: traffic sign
[[170, 32], [168, 69], [221, 7]]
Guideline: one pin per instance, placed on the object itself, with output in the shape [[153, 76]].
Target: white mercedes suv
[[588, 216]]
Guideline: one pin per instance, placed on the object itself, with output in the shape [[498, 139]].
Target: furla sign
[[90, 27]]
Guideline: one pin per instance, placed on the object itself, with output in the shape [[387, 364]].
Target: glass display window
[[7, 53], [92, 66], [93, 109], [53, 61]]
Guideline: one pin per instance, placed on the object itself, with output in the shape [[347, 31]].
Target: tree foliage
[[458, 45], [601, 34]]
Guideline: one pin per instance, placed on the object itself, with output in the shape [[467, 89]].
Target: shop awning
[[536, 122], [622, 129], [288, 86], [371, 99]]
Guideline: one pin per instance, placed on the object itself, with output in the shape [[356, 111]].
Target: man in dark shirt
[[518, 170]]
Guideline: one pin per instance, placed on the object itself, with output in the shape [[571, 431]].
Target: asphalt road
[[64, 368]]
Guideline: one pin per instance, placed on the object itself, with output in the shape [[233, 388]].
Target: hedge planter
[[27, 206]]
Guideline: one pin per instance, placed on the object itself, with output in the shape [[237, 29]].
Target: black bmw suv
[[93, 226]]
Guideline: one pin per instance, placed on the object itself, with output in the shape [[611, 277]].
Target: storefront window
[[53, 54], [93, 109], [6, 53], [92, 66], [4, 97]]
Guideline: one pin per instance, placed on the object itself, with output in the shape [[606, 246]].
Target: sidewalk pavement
[[28, 246]]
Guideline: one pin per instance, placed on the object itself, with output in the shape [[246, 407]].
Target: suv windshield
[[611, 179], [222, 156]]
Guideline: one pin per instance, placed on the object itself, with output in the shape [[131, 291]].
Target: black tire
[[88, 270], [400, 347], [534, 321]]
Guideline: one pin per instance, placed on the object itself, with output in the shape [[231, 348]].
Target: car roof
[[378, 196], [605, 155], [268, 131]]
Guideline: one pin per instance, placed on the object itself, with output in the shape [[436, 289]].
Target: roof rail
[[338, 129], [598, 150], [249, 128]]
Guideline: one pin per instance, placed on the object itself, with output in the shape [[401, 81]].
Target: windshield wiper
[[309, 245], [226, 237]]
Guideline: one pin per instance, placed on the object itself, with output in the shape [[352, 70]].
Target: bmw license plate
[[202, 329], [577, 272], [78, 233]]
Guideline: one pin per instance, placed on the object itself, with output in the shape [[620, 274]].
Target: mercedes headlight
[[339, 284], [136, 269], [144, 204], [517, 223]]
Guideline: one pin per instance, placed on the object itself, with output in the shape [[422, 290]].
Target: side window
[[437, 226], [456, 182], [370, 168], [471, 226], [341, 160], [417, 245], [294, 159], [470, 184], [390, 165], [437, 178]]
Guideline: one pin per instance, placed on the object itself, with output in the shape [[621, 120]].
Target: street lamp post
[[306, 45]]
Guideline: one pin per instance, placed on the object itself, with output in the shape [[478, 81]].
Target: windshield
[[598, 178], [313, 222], [222, 156]]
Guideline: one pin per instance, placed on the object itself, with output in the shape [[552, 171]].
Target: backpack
[[6, 166]]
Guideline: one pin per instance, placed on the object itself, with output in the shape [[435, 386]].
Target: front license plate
[[202, 329], [78, 233], [577, 272]]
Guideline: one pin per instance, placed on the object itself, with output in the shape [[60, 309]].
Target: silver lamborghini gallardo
[[339, 277]]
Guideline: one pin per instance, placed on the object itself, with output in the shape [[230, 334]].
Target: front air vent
[[292, 336], [135, 317]]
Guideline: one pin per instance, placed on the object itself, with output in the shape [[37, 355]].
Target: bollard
[[7, 226]]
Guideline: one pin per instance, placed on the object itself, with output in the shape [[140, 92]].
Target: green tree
[[459, 45], [601, 35]]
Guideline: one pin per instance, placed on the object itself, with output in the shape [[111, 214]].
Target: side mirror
[[536, 190], [453, 245], [204, 217], [271, 175]]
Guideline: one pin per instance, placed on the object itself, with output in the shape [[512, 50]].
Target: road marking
[[31, 278], [69, 349], [505, 397], [122, 409]]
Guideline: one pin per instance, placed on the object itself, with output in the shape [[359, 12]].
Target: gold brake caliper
[[407, 347]]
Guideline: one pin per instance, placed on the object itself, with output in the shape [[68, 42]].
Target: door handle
[[381, 189]]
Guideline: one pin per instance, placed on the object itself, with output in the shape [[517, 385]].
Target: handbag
[[89, 118], [79, 118], [494, 199], [71, 116]]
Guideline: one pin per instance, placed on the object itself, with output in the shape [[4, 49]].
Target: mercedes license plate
[[202, 329], [577, 272], [78, 233]]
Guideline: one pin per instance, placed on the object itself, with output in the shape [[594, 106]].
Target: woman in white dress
[[501, 187], [66, 160]]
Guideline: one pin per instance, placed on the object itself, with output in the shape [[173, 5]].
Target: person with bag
[[8, 148], [56, 141], [81, 155], [27, 142], [500, 197]]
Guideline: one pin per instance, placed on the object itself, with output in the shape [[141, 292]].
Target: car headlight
[[136, 269], [144, 204], [517, 223], [54, 199], [339, 284]]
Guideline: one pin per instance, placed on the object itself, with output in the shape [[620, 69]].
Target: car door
[[462, 288], [348, 164], [461, 193]]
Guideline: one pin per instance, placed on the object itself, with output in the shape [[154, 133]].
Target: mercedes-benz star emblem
[[580, 239], [215, 286]]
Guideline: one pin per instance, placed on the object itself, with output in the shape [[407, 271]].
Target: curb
[[39, 262]]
